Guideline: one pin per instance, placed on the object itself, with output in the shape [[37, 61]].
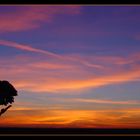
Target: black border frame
[[60, 131]]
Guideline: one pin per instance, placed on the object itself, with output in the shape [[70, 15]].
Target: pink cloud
[[68, 77], [48, 53], [71, 72], [30, 17], [26, 48]]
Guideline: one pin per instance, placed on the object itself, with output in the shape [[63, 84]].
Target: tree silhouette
[[7, 93]]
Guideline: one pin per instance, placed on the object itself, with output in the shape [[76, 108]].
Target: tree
[[7, 93]]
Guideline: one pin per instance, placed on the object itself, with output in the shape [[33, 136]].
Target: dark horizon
[[69, 131]]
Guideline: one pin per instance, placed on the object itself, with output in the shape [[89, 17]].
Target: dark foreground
[[67, 131]]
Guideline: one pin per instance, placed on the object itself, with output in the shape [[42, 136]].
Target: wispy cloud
[[31, 17], [68, 72], [75, 84], [64, 82], [73, 118], [99, 101], [71, 70], [27, 48], [48, 53]]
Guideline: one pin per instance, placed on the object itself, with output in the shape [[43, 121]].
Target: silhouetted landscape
[[69, 131]]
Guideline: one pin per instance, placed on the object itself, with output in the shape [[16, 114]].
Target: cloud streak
[[107, 101], [73, 72], [27, 48], [65, 84]]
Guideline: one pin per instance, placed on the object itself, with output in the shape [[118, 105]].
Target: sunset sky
[[73, 66]]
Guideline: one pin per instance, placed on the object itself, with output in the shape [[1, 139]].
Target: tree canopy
[[7, 93]]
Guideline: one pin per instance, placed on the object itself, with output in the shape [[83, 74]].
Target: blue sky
[[72, 58]]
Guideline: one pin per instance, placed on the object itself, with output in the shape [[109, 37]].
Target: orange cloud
[[57, 84], [36, 77], [70, 71], [101, 101], [48, 65], [73, 118]]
